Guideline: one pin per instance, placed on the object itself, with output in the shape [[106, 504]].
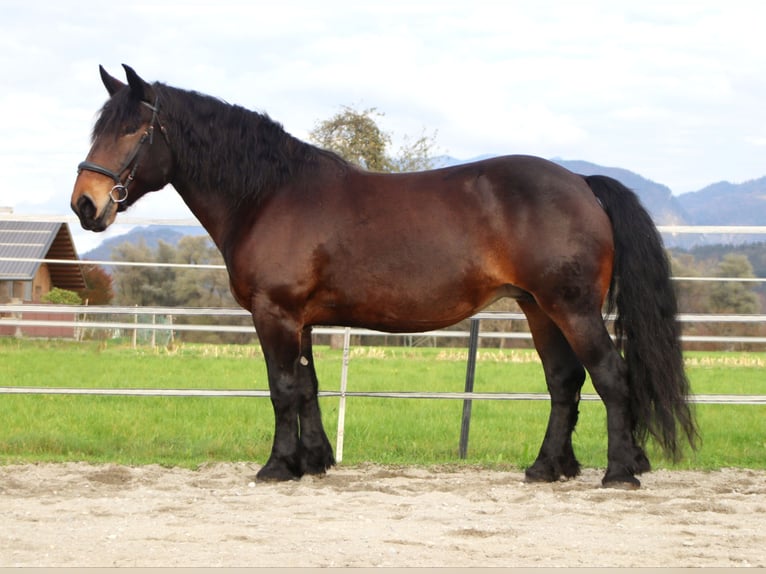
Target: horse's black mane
[[221, 147]]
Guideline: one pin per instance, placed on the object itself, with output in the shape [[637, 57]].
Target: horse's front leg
[[315, 449], [300, 444]]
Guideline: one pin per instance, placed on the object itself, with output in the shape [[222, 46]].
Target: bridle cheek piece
[[119, 193]]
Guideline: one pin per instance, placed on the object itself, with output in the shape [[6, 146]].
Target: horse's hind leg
[[564, 375], [591, 343]]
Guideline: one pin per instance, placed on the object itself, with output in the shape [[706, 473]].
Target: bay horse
[[310, 239]]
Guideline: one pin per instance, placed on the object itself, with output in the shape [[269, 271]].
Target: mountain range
[[721, 203]]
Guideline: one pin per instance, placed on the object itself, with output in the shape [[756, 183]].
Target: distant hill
[[726, 203], [150, 234]]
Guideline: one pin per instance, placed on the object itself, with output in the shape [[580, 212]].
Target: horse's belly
[[410, 306]]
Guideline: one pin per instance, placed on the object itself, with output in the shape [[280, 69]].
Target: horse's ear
[[112, 85], [140, 88]]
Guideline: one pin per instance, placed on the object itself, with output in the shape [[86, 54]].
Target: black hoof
[[317, 462], [641, 463], [622, 474], [548, 470], [622, 480], [540, 473], [631, 483], [276, 471], [320, 468]]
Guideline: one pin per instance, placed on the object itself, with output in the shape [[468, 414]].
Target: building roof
[[39, 240]]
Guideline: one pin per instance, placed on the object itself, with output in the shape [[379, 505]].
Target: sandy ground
[[84, 515]]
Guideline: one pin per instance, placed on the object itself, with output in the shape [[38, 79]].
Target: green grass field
[[188, 431]]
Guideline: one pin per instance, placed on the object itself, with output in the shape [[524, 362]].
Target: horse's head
[[128, 158]]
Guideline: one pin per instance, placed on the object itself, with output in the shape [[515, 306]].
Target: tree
[[693, 296], [355, 136], [201, 287], [732, 296], [129, 281], [415, 155], [145, 286], [98, 286], [164, 286]]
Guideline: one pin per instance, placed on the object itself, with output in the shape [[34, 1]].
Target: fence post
[[342, 403], [470, 371], [172, 339], [135, 331]]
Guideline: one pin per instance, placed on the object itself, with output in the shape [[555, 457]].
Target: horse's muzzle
[[87, 211]]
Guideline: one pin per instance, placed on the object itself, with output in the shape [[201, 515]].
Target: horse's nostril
[[85, 208]]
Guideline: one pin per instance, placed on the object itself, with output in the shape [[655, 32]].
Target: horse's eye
[[130, 129]]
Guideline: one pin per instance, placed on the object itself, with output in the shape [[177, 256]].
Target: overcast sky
[[675, 91]]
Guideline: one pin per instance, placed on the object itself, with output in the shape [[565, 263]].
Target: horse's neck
[[209, 206], [220, 182], [211, 216]]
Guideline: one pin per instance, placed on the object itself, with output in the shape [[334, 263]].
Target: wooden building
[[25, 276]]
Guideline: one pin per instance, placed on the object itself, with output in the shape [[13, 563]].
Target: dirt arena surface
[[84, 515]]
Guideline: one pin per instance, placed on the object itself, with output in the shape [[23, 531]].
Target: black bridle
[[119, 193]]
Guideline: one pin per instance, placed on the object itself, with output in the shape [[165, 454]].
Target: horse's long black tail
[[646, 327]]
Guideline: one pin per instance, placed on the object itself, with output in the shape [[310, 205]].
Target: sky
[[672, 90]]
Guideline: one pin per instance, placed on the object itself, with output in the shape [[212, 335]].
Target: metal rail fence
[[468, 396]]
